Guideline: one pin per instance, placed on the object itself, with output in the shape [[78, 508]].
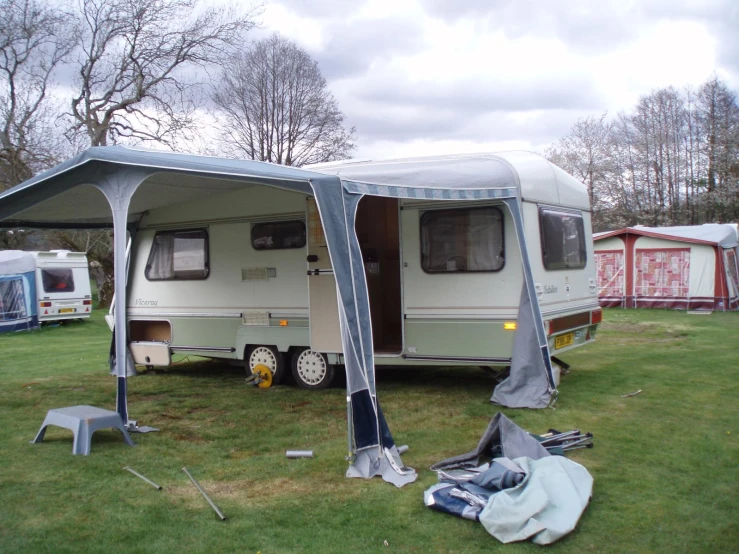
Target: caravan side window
[[278, 235], [462, 240], [57, 280], [178, 255], [562, 239]]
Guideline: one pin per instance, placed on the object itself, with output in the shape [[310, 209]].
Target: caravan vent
[[256, 319], [254, 273]]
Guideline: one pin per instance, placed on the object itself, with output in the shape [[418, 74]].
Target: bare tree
[[275, 106], [134, 58], [586, 153], [674, 160], [34, 40], [136, 64], [718, 118]]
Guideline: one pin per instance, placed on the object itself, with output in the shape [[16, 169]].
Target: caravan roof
[[530, 172], [58, 258], [723, 235], [13, 262]]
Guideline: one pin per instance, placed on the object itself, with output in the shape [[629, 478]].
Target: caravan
[[62, 285], [245, 274], [17, 291], [481, 259]]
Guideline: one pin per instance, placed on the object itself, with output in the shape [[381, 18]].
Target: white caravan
[[62, 285], [245, 275]]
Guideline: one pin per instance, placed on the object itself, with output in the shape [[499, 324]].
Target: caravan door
[[325, 331]]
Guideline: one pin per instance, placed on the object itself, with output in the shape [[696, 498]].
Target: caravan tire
[[268, 356], [311, 369]]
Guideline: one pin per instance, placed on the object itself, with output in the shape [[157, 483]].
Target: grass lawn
[[665, 462]]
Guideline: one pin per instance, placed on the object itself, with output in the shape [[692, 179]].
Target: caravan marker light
[[509, 326], [283, 323], [596, 316]]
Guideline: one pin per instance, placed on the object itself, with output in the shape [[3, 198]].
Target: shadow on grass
[[436, 378], [388, 377], [197, 370]]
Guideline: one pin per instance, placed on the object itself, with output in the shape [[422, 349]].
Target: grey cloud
[[353, 46], [394, 108], [478, 96], [596, 24], [720, 16], [323, 8], [539, 131], [599, 25], [468, 111]]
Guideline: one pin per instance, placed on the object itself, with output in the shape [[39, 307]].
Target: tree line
[[81, 73], [672, 160]]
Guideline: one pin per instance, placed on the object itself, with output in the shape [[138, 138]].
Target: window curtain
[[161, 264]]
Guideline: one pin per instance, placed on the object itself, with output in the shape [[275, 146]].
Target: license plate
[[67, 310], [563, 340]]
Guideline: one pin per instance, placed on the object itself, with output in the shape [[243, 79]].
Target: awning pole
[[118, 187], [514, 206], [119, 259]]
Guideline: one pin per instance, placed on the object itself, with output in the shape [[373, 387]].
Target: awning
[[102, 186]]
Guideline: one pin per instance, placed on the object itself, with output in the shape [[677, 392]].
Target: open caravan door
[[325, 331]]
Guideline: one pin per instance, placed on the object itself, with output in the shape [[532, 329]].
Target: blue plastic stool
[[83, 421]]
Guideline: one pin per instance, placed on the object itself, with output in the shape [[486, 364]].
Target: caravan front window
[[562, 239], [180, 255], [462, 240], [57, 280]]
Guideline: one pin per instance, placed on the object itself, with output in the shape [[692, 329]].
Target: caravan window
[[562, 239], [278, 235], [180, 255], [12, 300], [57, 280], [462, 240]]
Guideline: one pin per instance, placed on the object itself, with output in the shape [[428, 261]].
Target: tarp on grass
[[513, 486]]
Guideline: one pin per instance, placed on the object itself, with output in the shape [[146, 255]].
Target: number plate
[[72, 310], [563, 340]]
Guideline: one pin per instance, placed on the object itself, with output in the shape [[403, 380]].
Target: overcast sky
[[419, 77]]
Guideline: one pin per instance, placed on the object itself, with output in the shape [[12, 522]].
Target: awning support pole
[[514, 206], [118, 185]]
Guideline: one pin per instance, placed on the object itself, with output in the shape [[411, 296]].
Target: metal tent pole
[[118, 185]]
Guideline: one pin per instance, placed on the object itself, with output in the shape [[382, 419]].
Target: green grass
[[664, 462]]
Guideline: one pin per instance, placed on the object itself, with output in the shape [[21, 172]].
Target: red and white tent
[[690, 267]]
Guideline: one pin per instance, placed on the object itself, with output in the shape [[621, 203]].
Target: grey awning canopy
[[66, 193]]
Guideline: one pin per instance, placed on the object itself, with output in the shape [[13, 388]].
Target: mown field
[[664, 463]]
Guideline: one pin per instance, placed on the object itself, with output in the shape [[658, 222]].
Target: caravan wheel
[[268, 356], [311, 370]]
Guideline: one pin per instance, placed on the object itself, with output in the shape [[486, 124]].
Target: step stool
[[83, 421]]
